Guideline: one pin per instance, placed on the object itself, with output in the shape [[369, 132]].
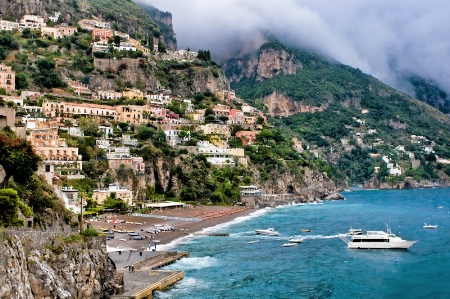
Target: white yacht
[[377, 240], [288, 244], [269, 232]]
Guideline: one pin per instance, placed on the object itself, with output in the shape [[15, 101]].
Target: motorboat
[[295, 240], [440, 207], [305, 230], [354, 231], [253, 242], [269, 232], [429, 226], [289, 244], [377, 240]]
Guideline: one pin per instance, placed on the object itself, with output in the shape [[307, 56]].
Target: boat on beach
[[268, 232], [377, 240], [429, 226]]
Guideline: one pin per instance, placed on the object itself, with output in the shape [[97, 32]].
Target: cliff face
[[56, 268], [264, 65], [278, 104], [139, 72], [144, 75]]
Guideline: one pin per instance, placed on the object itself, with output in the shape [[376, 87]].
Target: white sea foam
[[319, 237], [188, 283], [196, 263], [188, 238], [238, 220]]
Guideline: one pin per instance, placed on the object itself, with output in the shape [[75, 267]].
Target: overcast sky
[[381, 37]]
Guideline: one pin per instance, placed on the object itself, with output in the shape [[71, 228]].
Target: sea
[[322, 266]]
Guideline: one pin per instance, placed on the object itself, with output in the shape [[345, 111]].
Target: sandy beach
[[210, 216]]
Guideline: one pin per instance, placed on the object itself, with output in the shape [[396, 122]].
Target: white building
[[106, 131], [8, 26], [75, 131], [124, 46], [32, 22], [128, 141], [215, 155], [172, 137]]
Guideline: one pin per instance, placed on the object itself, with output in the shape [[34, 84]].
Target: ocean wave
[[188, 283], [238, 220], [191, 263]]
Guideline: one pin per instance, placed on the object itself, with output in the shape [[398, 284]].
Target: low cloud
[[383, 38]]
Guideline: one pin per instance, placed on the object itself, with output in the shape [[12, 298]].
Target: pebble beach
[[206, 216]]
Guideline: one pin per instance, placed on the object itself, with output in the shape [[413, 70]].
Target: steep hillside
[[124, 14], [429, 92], [337, 110]]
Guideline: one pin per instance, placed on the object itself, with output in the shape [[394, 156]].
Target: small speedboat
[[268, 232], [305, 230], [295, 240], [288, 244], [429, 226], [253, 242]]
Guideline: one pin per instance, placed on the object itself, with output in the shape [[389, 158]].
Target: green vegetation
[[338, 95]]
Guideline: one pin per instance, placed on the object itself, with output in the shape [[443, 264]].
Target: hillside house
[[132, 93], [236, 117], [69, 109], [90, 24], [124, 46], [220, 129], [248, 137], [101, 34], [32, 22], [121, 192], [7, 78], [221, 110], [106, 95], [215, 155], [8, 26]]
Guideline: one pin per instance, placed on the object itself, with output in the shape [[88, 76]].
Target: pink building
[[248, 137], [99, 34], [236, 117], [7, 77]]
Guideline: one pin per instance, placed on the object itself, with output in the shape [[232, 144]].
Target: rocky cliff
[[263, 65], [42, 265], [279, 104], [147, 75]]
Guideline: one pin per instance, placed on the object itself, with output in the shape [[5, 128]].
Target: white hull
[[267, 232], [381, 245]]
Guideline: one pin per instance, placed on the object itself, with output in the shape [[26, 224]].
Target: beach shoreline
[[209, 216]]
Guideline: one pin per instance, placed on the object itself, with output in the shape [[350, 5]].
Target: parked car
[[109, 237]]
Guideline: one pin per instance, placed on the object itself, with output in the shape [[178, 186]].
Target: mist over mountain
[[389, 40]]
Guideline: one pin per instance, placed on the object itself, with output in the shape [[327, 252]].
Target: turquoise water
[[322, 266]]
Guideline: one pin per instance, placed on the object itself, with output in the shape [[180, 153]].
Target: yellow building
[[133, 94]]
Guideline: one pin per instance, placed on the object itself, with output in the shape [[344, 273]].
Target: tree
[[9, 207], [89, 127], [17, 158], [145, 133], [161, 46], [46, 74], [21, 81], [117, 204]]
